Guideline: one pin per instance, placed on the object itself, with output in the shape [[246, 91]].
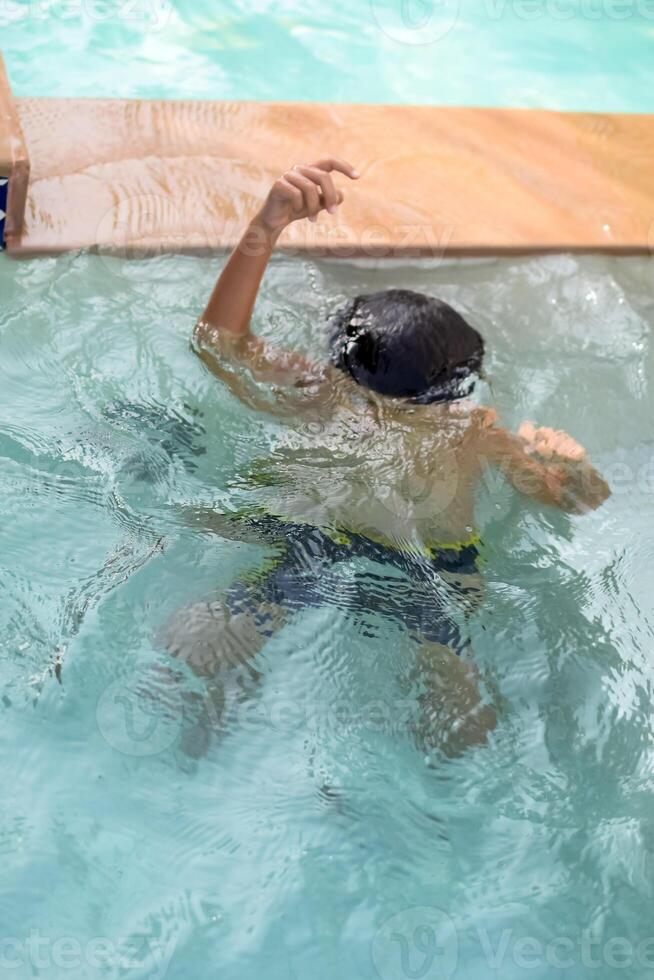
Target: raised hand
[[303, 192]]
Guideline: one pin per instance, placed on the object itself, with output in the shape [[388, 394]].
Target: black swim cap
[[407, 345]]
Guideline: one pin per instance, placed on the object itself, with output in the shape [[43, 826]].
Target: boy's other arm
[[545, 464], [302, 192]]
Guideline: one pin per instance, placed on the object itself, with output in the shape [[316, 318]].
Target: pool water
[[565, 54], [312, 837]]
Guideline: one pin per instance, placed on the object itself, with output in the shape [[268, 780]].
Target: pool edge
[[14, 164], [133, 178]]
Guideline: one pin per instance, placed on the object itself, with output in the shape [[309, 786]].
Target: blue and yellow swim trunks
[[313, 568]]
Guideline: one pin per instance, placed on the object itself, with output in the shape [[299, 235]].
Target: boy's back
[[404, 476]]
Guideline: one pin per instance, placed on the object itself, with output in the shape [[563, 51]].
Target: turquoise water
[[567, 54], [310, 838]]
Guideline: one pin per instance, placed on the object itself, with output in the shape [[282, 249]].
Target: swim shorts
[[359, 575]]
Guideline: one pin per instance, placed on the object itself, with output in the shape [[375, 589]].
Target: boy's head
[[407, 345]]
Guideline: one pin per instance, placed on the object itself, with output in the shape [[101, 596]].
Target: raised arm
[[545, 464], [302, 192]]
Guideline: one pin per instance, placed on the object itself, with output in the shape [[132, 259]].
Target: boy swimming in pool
[[381, 464]]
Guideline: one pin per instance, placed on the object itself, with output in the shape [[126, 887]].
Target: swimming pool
[[313, 837], [309, 825]]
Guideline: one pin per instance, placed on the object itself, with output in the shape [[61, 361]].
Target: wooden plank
[[148, 176], [14, 163]]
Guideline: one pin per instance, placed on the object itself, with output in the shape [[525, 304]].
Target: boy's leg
[[218, 640], [453, 714], [227, 632], [217, 636]]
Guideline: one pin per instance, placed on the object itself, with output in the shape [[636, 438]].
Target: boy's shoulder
[[483, 436], [478, 415], [478, 419]]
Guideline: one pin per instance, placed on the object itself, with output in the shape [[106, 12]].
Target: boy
[[388, 471]]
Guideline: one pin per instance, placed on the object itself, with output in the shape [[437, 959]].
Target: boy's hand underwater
[[303, 192], [578, 486], [551, 444]]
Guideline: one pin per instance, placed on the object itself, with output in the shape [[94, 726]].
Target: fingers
[[324, 182], [549, 442], [527, 431], [570, 448], [288, 192], [342, 166], [559, 443], [545, 442], [309, 191], [309, 188]]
